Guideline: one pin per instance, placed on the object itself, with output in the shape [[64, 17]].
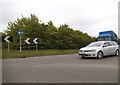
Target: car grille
[[84, 50]]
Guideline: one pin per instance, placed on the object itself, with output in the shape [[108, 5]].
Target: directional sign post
[[27, 41], [20, 33], [7, 39], [31, 41]]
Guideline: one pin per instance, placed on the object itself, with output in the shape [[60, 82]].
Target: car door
[[106, 48], [112, 48]]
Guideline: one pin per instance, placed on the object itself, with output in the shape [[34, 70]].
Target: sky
[[88, 16]]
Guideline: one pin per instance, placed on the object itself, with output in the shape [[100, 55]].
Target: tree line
[[50, 36]]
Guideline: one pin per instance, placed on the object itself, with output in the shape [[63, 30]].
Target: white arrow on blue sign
[[20, 32]]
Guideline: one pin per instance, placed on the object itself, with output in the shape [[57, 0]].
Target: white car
[[99, 49]]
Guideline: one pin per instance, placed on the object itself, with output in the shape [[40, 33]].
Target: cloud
[[94, 26], [89, 16]]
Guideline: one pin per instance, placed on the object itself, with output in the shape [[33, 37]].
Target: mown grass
[[32, 53]]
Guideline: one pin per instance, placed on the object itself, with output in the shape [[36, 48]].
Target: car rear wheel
[[99, 55], [116, 52]]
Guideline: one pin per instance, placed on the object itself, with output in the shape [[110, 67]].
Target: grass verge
[[32, 53]]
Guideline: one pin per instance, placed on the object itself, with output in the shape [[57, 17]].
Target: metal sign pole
[[8, 47], [29, 47], [20, 45], [35, 41], [20, 33], [36, 47]]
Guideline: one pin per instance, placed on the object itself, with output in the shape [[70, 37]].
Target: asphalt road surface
[[60, 69]]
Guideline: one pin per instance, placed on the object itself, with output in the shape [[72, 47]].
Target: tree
[[28, 25], [118, 41], [50, 36]]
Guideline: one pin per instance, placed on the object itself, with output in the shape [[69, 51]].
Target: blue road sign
[[20, 32]]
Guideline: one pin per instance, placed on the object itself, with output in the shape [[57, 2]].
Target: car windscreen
[[95, 44]]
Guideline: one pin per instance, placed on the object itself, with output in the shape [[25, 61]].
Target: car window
[[111, 44], [95, 44], [106, 44], [115, 43]]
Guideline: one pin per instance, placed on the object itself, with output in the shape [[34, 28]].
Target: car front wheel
[[116, 52], [99, 55]]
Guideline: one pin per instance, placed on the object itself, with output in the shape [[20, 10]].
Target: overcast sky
[[90, 16]]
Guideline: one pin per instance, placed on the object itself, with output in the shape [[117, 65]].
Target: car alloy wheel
[[117, 53], [99, 54]]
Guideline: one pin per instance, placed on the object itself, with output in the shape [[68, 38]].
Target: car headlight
[[92, 50], [81, 50]]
